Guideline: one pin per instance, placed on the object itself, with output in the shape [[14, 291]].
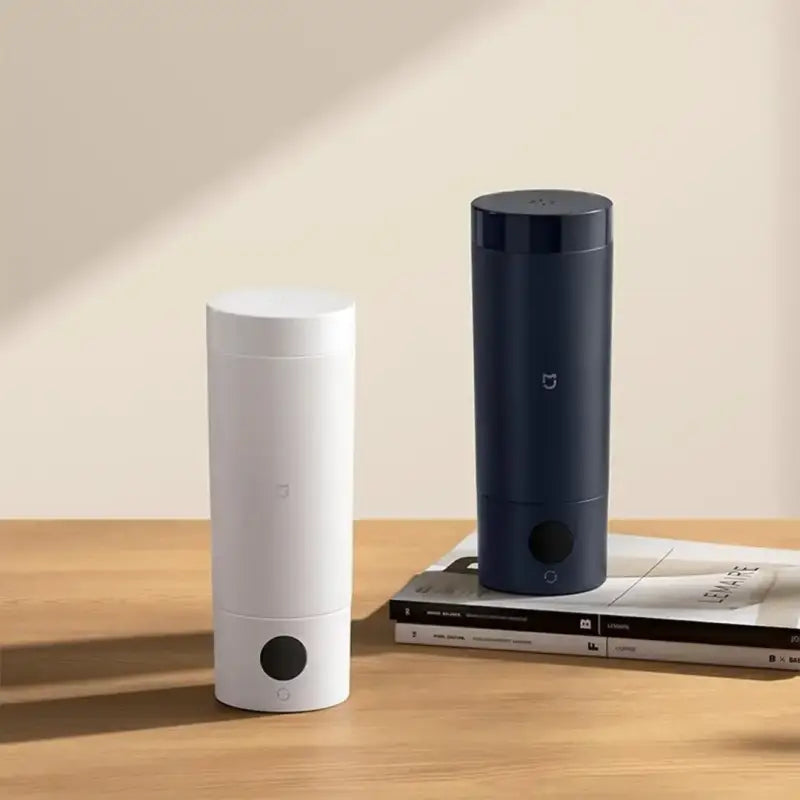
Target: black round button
[[283, 658], [550, 542]]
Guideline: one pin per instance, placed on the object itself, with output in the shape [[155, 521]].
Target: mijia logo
[[549, 380]]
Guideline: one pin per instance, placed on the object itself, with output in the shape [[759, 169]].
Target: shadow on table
[[97, 659], [143, 709], [147, 709], [767, 743]]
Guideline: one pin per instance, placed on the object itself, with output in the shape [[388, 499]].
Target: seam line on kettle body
[[558, 501], [283, 619], [248, 356]]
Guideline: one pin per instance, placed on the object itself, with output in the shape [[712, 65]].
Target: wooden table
[[106, 690]]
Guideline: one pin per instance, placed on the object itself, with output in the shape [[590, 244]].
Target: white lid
[[281, 322]]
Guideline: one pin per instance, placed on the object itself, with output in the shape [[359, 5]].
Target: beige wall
[[157, 152]]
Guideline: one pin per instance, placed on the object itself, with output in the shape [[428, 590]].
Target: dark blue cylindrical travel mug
[[541, 312]]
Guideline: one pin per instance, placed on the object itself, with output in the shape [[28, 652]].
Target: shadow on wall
[[788, 302], [115, 112]]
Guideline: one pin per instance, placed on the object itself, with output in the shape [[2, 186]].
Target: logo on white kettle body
[[549, 380]]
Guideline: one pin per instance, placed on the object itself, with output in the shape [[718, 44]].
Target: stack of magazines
[[664, 600]]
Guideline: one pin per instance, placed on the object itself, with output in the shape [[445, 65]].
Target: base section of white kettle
[[282, 665]]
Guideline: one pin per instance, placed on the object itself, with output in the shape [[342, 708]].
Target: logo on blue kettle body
[[549, 380]]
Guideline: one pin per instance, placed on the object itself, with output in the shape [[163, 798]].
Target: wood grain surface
[[106, 689]]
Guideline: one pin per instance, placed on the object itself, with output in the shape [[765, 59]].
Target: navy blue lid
[[541, 221]]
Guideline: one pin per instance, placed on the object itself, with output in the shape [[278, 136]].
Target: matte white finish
[[282, 322], [282, 486], [240, 681], [281, 392]]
